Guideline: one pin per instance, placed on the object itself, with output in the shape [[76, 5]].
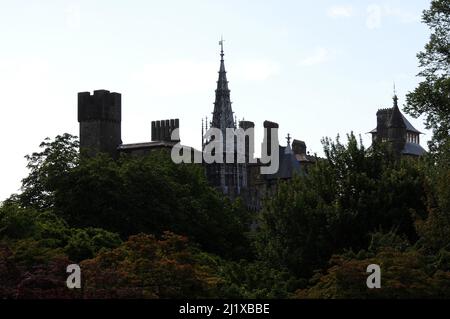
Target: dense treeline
[[315, 236], [339, 204], [144, 227], [132, 195]]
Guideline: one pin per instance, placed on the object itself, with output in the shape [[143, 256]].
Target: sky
[[318, 68]]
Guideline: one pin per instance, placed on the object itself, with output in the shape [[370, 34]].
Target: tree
[[432, 97], [404, 274], [147, 267], [434, 230], [149, 194], [36, 237], [44, 280], [343, 198], [254, 280], [48, 170]]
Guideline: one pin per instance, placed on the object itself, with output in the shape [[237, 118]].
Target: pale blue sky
[[318, 68]]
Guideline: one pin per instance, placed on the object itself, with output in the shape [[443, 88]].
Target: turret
[[396, 128]]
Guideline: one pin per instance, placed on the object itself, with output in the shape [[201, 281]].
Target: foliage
[[39, 236], [344, 198], [145, 267], [314, 238], [47, 171], [432, 97], [44, 280], [435, 228], [255, 280], [148, 194], [406, 274]]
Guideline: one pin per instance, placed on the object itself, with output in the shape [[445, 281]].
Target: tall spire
[[223, 113], [222, 83]]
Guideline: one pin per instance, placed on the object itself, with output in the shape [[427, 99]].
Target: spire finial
[[221, 46], [288, 149], [395, 98]]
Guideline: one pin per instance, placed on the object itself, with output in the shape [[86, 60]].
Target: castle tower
[[100, 116], [394, 128]]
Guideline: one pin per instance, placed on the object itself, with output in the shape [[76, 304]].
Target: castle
[[394, 128], [99, 115]]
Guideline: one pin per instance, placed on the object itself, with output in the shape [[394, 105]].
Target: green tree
[[254, 280], [342, 200], [432, 97], [36, 237], [131, 195], [405, 273], [48, 169], [435, 228]]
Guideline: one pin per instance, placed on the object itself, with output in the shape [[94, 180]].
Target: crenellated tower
[[100, 116]]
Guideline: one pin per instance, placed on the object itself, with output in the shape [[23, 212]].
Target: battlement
[[102, 105], [162, 130], [246, 125], [269, 124], [385, 110]]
